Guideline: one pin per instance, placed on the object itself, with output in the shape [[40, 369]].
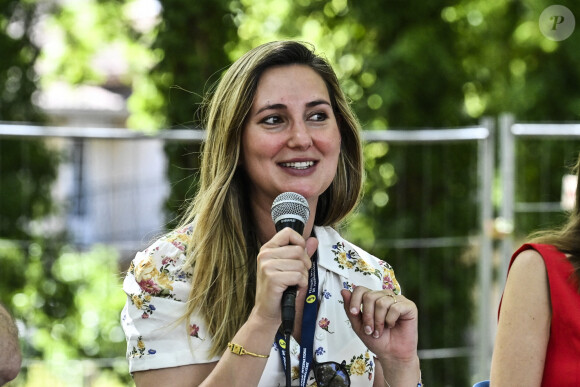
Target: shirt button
[[319, 336]]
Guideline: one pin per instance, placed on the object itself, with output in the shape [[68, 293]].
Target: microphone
[[289, 210]]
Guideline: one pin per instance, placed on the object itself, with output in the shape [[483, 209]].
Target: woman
[[538, 336], [203, 304]]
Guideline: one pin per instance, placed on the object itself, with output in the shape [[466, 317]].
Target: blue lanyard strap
[[308, 326]]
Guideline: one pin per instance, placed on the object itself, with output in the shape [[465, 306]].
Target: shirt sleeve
[[158, 333]]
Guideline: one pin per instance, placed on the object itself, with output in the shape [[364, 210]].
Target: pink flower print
[[150, 286], [178, 244], [144, 315], [388, 283], [324, 323], [168, 260], [194, 331]]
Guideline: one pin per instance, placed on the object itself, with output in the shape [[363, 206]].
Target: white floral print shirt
[[157, 289]]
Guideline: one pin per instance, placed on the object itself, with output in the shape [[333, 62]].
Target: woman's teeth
[[299, 165]]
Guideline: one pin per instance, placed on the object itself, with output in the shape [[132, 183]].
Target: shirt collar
[[330, 246]]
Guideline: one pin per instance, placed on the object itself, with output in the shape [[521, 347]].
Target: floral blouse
[[157, 289]]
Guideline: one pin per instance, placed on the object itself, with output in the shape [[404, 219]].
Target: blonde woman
[[203, 302]]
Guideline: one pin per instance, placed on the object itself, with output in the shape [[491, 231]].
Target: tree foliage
[[56, 295], [24, 188], [192, 37]]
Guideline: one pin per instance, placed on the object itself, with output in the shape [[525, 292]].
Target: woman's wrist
[[262, 322], [401, 372]]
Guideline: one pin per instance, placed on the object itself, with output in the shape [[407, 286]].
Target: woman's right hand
[[283, 261]]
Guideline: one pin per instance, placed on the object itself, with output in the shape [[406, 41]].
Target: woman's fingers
[[377, 308], [384, 321]]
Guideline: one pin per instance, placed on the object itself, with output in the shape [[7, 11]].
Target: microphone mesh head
[[290, 203]]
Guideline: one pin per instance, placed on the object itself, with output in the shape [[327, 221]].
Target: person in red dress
[[538, 335]]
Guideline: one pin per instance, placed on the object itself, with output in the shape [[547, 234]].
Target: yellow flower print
[[146, 270], [141, 344], [164, 281], [295, 373], [361, 364], [358, 367], [342, 257], [364, 266], [137, 301]]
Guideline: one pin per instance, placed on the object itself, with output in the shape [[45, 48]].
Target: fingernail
[[368, 330], [376, 334], [353, 310]]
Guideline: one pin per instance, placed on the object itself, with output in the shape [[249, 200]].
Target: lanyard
[[308, 326]]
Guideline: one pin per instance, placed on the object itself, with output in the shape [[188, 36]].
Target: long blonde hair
[[223, 247]]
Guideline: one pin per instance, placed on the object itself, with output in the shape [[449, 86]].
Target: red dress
[[562, 366]]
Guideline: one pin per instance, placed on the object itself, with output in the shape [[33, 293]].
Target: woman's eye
[[319, 116], [271, 120]]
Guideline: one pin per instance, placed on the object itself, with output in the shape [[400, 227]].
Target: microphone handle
[[289, 296], [288, 309]]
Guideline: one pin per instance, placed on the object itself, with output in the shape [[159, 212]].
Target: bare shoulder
[[527, 289], [528, 265]]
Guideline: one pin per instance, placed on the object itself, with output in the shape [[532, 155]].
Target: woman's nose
[[300, 136]]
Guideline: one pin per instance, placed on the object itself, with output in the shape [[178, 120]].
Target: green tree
[[24, 187], [56, 295], [27, 167], [192, 37]]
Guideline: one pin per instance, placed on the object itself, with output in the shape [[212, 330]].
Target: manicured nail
[[353, 310], [368, 330], [376, 334]]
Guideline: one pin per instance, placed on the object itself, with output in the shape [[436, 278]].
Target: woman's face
[[291, 140]]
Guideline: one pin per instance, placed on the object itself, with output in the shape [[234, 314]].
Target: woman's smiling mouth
[[298, 164]]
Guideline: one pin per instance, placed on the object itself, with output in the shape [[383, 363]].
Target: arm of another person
[[10, 356], [524, 324]]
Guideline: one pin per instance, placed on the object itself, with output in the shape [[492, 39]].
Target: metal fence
[[513, 134], [555, 148], [481, 135]]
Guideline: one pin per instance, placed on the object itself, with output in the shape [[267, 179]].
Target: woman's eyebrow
[[317, 102], [278, 106], [275, 106]]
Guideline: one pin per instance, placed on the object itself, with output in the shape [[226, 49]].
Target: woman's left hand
[[385, 322]]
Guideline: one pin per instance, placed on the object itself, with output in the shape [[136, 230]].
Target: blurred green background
[[403, 64]]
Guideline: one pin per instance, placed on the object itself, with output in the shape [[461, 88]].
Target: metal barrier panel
[[512, 134], [481, 135]]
